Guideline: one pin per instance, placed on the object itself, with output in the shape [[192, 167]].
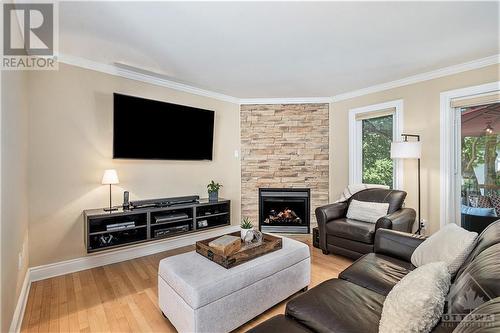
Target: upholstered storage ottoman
[[198, 295]]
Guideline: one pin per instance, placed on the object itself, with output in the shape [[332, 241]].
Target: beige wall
[[14, 190], [71, 144], [421, 116], [70, 125]]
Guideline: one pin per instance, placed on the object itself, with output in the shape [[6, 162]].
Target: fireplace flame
[[286, 215]]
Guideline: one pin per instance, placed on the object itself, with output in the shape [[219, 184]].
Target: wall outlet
[[423, 226]]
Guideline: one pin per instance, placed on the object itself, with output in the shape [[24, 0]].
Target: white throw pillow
[[367, 211], [416, 303], [451, 244]]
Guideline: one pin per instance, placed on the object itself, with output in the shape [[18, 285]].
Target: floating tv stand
[[122, 227]]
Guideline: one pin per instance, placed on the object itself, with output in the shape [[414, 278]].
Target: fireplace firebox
[[284, 210]]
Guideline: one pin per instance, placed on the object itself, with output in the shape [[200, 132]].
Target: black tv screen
[[148, 129]]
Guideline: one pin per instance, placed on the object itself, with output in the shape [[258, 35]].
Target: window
[[372, 129], [377, 165]]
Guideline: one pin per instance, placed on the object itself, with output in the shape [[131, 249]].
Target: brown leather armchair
[[353, 238]]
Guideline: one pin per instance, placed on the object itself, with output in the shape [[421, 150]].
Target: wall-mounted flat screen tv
[[148, 129]]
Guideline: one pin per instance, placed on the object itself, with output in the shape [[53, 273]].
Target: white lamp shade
[[406, 149], [110, 177]]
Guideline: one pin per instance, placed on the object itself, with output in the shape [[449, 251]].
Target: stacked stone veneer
[[284, 146]]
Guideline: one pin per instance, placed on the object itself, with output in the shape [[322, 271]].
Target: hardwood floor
[[122, 297]]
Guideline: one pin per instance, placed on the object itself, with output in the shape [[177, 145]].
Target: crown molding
[[294, 100], [137, 76], [163, 82], [450, 70]]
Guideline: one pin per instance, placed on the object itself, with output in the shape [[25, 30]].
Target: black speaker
[[316, 237], [126, 202]]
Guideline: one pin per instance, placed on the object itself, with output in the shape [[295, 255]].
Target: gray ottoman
[[198, 295]]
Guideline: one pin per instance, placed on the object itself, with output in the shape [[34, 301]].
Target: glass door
[[479, 177]]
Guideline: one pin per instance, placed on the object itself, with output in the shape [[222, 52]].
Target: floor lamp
[[409, 150]]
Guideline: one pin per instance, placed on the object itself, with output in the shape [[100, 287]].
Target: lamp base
[[110, 209]]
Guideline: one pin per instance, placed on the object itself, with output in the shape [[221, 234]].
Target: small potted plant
[[246, 225], [213, 191]]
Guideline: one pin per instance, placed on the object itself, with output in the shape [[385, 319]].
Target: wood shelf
[[171, 222], [211, 215], [111, 231], [97, 219], [213, 227], [110, 247]]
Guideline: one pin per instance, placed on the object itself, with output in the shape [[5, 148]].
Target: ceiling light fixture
[[489, 129]]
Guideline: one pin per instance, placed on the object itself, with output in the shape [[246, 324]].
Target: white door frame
[[1, 116], [449, 161], [355, 145]]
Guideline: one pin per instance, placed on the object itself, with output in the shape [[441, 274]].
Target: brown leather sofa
[[353, 238], [353, 301]]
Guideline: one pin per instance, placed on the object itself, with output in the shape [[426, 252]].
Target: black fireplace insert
[[284, 210]]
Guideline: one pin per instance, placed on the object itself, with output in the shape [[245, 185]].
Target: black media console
[[107, 230]]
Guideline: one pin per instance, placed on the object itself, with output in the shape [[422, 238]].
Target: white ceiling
[[281, 49]]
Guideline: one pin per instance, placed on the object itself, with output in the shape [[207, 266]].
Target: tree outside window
[[378, 167]]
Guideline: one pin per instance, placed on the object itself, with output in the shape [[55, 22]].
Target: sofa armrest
[[396, 244], [401, 220], [325, 214]]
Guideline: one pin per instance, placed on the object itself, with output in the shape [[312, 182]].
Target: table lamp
[[110, 177], [409, 150]]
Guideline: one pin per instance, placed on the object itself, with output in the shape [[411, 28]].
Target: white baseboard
[[101, 259], [17, 319], [114, 256]]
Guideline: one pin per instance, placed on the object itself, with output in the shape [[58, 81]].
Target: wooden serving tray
[[246, 253]]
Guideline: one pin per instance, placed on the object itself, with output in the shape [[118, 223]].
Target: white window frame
[[450, 166], [355, 140]]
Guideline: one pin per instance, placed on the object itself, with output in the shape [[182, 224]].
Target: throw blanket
[[350, 190]]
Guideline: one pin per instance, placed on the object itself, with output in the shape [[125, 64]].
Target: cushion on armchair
[[367, 211], [477, 211], [352, 229], [480, 201], [495, 201], [394, 198]]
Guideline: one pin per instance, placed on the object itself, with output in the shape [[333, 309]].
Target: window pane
[[376, 151], [480, 150]]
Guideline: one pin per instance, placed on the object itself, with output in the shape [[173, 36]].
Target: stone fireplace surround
[[284, 146]]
